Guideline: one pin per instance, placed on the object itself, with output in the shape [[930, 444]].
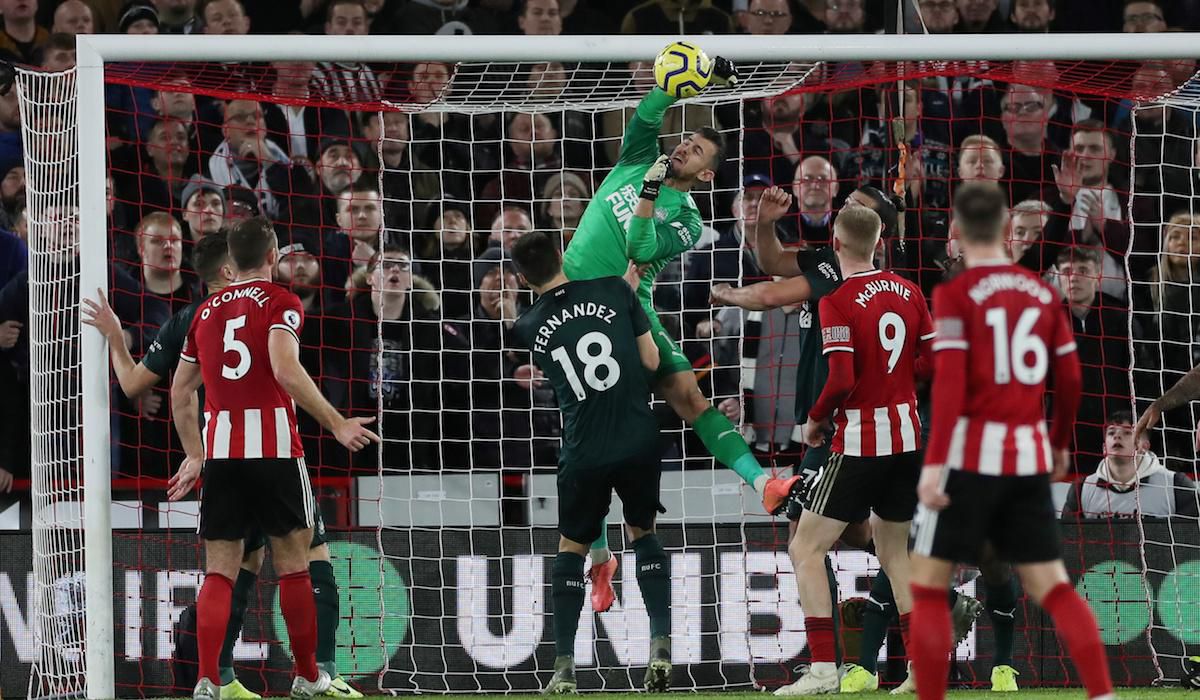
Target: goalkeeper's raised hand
[[652, 181], [724, 73]]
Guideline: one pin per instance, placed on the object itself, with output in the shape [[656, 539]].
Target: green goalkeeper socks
[[727, 446], [567, 591], [325, 595], [237, 615]]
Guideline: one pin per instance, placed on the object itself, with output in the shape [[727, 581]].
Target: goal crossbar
[[95, 51]]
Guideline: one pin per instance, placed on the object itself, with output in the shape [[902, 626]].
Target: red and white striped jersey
[[1000, 330], [247, 415], [881, 322]]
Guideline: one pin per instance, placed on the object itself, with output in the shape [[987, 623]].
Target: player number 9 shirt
[[247, 414]]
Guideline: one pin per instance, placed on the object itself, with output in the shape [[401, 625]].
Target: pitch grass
[[1074, 693], [1063, 693]]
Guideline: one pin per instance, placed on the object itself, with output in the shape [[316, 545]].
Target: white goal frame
[[94, 51]]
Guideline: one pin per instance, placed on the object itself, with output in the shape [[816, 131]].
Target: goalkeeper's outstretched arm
[[641, 134]]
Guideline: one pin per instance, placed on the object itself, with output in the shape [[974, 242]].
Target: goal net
[[442, 539]]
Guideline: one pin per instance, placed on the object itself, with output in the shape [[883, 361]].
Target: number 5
[[232, 344]]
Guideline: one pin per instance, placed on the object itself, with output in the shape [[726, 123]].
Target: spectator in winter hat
[[138, 17]]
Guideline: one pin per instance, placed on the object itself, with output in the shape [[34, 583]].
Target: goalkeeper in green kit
[[642, 213]]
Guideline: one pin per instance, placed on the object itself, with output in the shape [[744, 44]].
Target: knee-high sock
[[300, 615], [1002, 609], [836, 616], [245, 583], [881, 608], [567, 592], [931, 641], [654, 578], [1077, 628], [328, 601], [212, 619], [727, 446]]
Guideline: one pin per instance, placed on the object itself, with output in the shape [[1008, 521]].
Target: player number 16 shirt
[[1014, 330], [247, 414]]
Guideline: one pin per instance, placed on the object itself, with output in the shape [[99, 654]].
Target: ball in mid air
[[682, 69]]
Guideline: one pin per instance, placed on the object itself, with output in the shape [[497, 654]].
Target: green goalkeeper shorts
[[670, 357]]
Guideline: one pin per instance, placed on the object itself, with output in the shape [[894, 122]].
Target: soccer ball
[[682, 69]]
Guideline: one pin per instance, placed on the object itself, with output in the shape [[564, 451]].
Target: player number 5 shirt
[[247, 414]]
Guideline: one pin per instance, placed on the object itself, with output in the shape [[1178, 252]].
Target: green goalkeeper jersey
[[609, 235]]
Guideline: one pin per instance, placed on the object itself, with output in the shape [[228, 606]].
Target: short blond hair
[[858, 229], [1035, 207], [978, 141]]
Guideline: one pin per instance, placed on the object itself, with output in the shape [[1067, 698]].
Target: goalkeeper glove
[[655, 174], [724, 73]]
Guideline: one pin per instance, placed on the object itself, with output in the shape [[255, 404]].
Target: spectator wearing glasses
[[1025, 116], [767, 17], [815, 186], [1130, 482], [388, 348], [1032, 16], [1140, 16], [247, 158]]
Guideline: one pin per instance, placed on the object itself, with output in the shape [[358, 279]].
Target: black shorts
[[850, 488], [256, 539], [1014, 513], [584, 494], [273, 494]]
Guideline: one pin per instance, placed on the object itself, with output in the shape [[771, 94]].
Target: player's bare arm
[[134, 377], [772, 256], [284, 349], [185, 408], [648, 351], [763, 295], [1185, 390]]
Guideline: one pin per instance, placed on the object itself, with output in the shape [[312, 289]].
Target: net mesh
[[443, 538], [51, 167]]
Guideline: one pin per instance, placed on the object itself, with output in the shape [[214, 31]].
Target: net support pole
[[93, 275]]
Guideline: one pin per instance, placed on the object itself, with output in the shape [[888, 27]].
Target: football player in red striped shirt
[[990, 458], [873, 328], [244, 346]]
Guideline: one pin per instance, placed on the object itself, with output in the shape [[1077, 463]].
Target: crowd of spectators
[[394, 226]]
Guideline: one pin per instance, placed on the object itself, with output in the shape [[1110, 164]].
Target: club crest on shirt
[[292, 318], [660, 214]]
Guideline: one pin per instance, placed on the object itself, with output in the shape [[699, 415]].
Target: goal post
[[98, 52]]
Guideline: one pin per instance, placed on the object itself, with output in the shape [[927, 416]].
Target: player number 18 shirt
[[247, 414]]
